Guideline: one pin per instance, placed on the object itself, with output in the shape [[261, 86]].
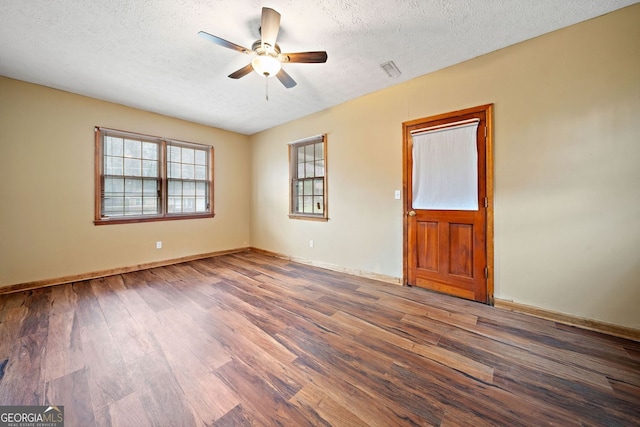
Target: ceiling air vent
[[391, 69]]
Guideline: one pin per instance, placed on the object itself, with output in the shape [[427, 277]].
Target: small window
[[145, 178], [308, 172]]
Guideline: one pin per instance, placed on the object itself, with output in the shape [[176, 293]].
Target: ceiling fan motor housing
[[266, 50]]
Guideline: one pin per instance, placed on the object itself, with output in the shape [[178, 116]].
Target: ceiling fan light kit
[[268, 57], [266, 65]]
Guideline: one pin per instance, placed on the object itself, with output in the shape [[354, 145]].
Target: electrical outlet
[[310, 243], [158, 245], [396, 194]]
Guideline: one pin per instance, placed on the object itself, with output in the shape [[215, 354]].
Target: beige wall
[[567, 170], [46, 188]]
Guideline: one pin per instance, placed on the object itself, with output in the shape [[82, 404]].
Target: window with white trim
[[308, 178], [146, 178]]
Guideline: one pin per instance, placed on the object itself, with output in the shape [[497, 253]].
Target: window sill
[[309, 217], [133, 220]]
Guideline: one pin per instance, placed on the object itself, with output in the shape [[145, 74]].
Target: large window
[[145, 178], [308, 172]]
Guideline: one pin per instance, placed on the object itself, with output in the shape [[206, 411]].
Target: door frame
[[407, 146]]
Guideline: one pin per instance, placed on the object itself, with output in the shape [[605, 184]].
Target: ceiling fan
[[268, 56]]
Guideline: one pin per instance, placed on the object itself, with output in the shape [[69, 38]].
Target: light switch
[[397, 194]]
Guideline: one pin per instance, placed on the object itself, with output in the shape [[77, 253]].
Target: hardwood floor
[[247, 339]]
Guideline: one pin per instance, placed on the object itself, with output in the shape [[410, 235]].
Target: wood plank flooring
[[251, 340]]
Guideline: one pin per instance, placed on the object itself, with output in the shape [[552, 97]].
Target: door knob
[[412, 213]]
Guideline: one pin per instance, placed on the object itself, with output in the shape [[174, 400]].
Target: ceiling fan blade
[[224, 43], [285, 79], [304, 57], [269, 26], [242, 72]]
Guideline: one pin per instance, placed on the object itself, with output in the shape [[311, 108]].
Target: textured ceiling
[[146, 53]]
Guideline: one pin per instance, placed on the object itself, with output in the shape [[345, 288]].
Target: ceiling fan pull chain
[[266, 88]]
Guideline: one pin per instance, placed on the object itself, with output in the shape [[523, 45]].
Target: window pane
[[308, 187], [319, 169], [187, 155], [318, 187], [113, 185], [445, 165], [107, 206], [318, 205], [113, 206], [132, 148], [308, 204], [298, 188], [150, 187], [175, 188], [309, 153], [188, 171], [299, 204], [113, 146], [310, 170], [150, 205], [201, 204], [133, 186], [175, 170], [201, 189], [132, 167], [201, 157], [113, 165], [189, 188], [201, 172], [150, 150], [174, 153], [189, 204], [133, 206], [319, 150], [301, 173], [173, 205], [149, 168], [300, 157]]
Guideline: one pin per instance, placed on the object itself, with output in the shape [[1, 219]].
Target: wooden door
[[451, 251]]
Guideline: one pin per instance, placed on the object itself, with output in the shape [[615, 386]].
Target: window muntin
[[308, 162], [145, 178]]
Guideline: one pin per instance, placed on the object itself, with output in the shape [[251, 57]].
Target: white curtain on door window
[[445, 168]]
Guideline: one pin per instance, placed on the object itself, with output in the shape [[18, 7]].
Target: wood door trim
[[489, 190]]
